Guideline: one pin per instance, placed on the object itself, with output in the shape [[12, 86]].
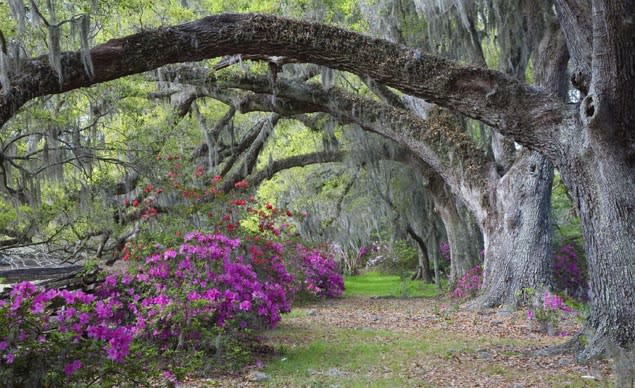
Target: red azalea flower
[[242, 184]]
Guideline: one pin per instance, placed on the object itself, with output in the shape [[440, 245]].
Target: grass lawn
[[375, 284]]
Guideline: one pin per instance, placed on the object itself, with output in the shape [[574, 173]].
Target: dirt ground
[[500, 347]]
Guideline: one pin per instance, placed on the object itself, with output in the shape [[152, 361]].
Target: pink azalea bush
[[547, 310], [568, 275], [176, 305], [469, 284], [321, 277]]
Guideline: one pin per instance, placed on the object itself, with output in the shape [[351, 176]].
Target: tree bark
[[517, 234], [464, 235], [606, 202]]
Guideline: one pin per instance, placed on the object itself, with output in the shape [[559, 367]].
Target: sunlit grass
[[376, 284]]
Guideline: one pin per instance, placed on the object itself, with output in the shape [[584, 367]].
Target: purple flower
[[191, 296], [170, 377], [169, 254], [72, 367], [24, 289], [245, 305], [184, 265], [141, 277], [110, 281], [103, 310]]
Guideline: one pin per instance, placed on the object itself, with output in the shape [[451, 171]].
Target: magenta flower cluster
[[205, 280], [554, 302], [321, 277], [444, 250], [568, 276], [80, 317], [549, 312], [171, 301], [469, 284]]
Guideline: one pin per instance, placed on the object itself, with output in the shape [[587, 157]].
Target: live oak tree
[[592, 144]]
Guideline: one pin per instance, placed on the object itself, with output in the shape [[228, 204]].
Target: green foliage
[[15, 218], [399, 259], [567, 222]]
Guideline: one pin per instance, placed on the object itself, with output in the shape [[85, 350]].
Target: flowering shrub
[[46, 336], [180, 299], [567, 274], [320, 273], [469, 284], [444, 250], [547, 311], [178, 296]]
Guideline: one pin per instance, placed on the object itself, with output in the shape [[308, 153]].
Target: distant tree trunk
[[464, 237], [423, 271]]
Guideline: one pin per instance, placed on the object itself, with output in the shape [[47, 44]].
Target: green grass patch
[[345, 357], [316, 356], [376, 284]]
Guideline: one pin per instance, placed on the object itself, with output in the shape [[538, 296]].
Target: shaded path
[[416, 342]]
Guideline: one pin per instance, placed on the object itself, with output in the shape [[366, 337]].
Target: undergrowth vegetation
[[186, 303]]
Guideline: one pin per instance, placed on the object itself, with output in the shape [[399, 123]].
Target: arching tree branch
[[523, 112]]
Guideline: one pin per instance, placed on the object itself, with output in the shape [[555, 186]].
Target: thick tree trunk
[[604, 189], [517, 233]]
